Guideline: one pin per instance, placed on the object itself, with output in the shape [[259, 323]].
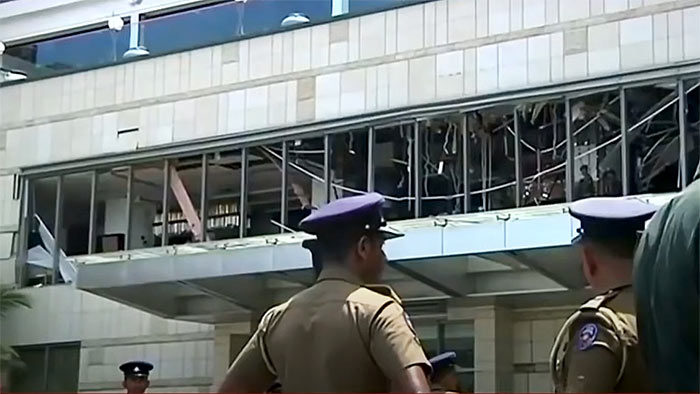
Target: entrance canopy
[[520, 254]]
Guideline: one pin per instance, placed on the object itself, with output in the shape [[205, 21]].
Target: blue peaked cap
[[611, 217], [347, 214]]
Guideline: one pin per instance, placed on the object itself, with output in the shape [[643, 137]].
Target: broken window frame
[[684, 84]]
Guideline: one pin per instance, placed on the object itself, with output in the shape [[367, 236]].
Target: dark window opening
[[50, 368]]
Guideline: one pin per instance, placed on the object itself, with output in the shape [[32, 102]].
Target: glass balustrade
[[165, 32]]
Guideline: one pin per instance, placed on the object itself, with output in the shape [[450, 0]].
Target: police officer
[[343, 334], [136, 376], [599, 341], [444, 378], [668, 300]]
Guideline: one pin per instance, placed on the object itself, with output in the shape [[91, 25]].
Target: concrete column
[[229, 339], [493, 350], [7, 269]]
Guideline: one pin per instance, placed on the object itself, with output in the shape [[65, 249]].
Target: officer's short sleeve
[[253, 360], [393, 342], [593, 357]]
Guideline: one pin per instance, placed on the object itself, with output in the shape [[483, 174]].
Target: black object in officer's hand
[[443, 362]]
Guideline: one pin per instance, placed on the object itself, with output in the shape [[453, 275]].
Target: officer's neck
[[337, 270], [611, 282], [608, 272]]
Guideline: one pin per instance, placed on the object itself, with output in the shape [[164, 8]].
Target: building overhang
[[520, 254]]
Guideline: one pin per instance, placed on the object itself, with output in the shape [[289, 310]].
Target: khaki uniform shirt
[[602, 352], [436, 388], [336, 336]]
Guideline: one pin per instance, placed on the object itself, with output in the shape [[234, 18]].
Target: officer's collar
[[385, 290], [619, 288], [438, 388], [338, 272]]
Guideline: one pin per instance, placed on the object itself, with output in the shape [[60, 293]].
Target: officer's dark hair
[[316, 261], [335, 246], [620, 247], [312, 245]]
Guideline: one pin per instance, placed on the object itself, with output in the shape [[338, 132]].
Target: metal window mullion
[[25, 228], [134, 30], [57, 230], [417, 169], [284, 197], [166, 194], [465, 163], [490, 171], [243, 204], [625, 143], [129, 199], [46, 368], [682, 133], [483, 141], [203, 206], [327, 167], [92, 227], [31, 212], [518, 159], [569, 152], [370, 159], [409, 166]]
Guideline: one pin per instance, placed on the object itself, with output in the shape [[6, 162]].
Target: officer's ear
[[124, 383], [364, 245], [590, 263]]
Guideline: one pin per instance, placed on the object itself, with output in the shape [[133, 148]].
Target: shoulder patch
[[587, 336], [410, 327]]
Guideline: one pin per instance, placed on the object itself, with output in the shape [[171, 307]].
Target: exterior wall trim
[[526, 32], [187, 382], [388, 117], [148, 339]]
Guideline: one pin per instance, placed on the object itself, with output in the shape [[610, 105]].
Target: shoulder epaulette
[[597, 306], [594, 304], [385, 291]]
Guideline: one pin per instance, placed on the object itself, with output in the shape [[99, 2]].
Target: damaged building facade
[[156, 158]]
